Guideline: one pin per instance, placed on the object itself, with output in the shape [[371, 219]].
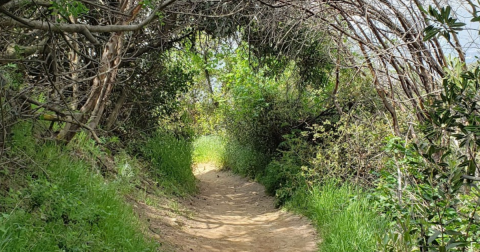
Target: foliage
[[259, 109], [244, 159], [171, 160], [154, 93], [66, 8], [442, 210], [56, 200], [209, 149], [444, 23], [342, 214], [283, 176]]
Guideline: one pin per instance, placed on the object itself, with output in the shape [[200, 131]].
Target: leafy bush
[[285, 173], [433, 206], [244, 159]]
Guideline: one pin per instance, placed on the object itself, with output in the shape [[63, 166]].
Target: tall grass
[[244, 159], [229, 154], [209, 149], [171, 160], [343, 215], [60, 202]]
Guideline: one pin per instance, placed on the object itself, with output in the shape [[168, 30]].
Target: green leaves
[[444, 23], [440, 205], [67, 8]]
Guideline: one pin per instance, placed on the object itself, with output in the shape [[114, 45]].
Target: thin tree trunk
[[116, 111]]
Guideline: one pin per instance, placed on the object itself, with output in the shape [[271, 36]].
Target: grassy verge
[[171, 160], [343, 216], [56, 199]]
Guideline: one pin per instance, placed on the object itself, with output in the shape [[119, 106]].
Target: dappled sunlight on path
[[231, 213]]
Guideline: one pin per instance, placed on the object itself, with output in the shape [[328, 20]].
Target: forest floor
[[230, 213]]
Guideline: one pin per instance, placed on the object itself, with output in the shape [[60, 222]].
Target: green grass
[[229, 154], [59, 201], [171, 160], [209, 149], [343, 216], [243, 159]]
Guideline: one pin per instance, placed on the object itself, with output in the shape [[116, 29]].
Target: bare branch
[[86, 30]]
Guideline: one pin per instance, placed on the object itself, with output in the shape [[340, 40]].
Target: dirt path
[[229, 214]]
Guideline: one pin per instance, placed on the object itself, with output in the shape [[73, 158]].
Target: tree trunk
[[116, 111], [104, 81]]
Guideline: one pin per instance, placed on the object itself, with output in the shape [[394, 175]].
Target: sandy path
[[230, 214]]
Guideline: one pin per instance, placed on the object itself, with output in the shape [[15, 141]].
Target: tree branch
[[86, 30], [471, 177], [55, 118], [3, 2]]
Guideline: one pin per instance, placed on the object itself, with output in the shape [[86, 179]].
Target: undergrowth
[[56, 199], [171, 160], [343, 216], [209, 149], [244, 159]]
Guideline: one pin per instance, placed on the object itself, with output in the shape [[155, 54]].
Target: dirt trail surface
[[230, 213]]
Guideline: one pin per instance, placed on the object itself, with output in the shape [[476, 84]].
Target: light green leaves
[[67, 8]]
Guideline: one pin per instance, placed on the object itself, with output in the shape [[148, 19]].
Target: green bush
[[244, 159], [171, 160], [57, 201]]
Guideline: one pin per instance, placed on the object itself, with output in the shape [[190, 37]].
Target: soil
[[230, 213]]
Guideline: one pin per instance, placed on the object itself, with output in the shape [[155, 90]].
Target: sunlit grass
[[343, 215], [171, 160], [209, 149]]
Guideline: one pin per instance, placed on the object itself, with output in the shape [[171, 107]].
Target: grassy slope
[[55, 198]]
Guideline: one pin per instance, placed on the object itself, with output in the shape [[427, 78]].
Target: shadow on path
[[230, 213]]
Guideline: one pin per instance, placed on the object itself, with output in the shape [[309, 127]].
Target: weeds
[[342, 214], [171, 160], [63, 204]]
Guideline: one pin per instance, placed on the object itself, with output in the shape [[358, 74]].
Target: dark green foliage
[[284, 175], [244, 159], [302, 46], [445, 24], [153, 93], [441, 212]]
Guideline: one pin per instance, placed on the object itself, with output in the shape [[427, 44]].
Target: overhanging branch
[[86, 30]]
